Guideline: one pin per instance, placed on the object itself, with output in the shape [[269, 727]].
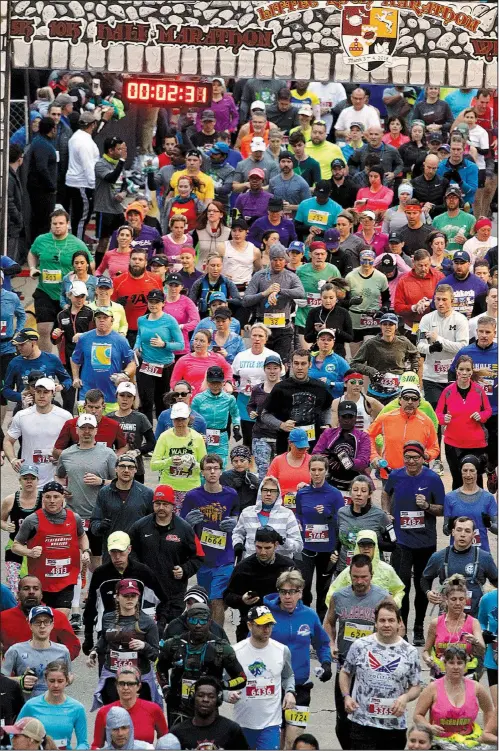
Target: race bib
[[86, 524], [187, 685], [367, 321], [356, 631], [469, 598], [275, 320], [309, 430], [214, 538], [247, 388], [415, 327], [488, 385], [477, 540], [317, 217], [317, 533], [213, 437], [390, 382], [442, 366], [58, 567], [3, 328], [350, 555], [259, 689], [152, 369], [289, 500], [298, 716], [412, 520], [380, 707], [52, 276], [314, 299], [42, 457], [122, 659], [61, 742]]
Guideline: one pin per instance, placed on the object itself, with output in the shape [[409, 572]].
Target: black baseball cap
[[323, 188], [156, 295], [174, 279], [222, 312], [159, 261], [338, 163], [275, 204], [394, 238], [387, 262], [215, 374], [240, 223], [35, 375], [347, 408]]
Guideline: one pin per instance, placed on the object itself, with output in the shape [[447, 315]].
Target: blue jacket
[[331, 373], [297, 630], [487, 617], [16, 378], [209, 323], [482, 359], [307, 499], [13, 320], [468, 174], [232, 346]]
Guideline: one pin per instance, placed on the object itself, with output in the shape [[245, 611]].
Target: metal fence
[[19, 116]]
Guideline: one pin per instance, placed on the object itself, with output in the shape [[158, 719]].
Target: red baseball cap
[[164, 493], [317, 245], [127, 587]]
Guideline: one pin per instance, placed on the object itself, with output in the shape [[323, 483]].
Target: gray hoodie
[[118, 717]]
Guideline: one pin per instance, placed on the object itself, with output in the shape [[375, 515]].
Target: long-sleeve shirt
[[379, 201], [193, 369], [483, 358], [165, 327], [397, 428], [226, 114], [186, 314], [411, 289], [385, 357], [83, 154], [291, 289], [168, 448], [16, 378], [42, 169], [467, 173], [462, 431], [13, 319], [453, 335], [59, 720]]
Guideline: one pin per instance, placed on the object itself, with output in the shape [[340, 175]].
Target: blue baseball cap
[[104, 281], [219, 148], [390, 318], [217, 296], [296, 247], [462, 255], [28, 469], [332, 239], [299, 438], [40, 610]]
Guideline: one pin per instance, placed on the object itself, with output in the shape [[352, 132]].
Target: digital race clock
[[163, 93]]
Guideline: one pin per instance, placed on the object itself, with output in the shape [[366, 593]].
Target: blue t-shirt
[[487, 617], [414, 527], [324, 215], [217, 545], [16, 378], [99, 357], [482, 502]]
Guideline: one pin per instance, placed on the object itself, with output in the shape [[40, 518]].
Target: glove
[[238, 549], [488, 636], [436, 347], [280, 539], [104, 526], [450, 523], [228, 524], [487, 521], [194, 517], [88, 645], [327, 674], [237, 433]]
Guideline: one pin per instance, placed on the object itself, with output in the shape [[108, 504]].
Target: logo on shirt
[[172, 538], [376, 665], [304, 630], [257, 668], [369, 35], [100, 357]]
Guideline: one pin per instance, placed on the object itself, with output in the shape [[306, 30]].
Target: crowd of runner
[[289, 329]]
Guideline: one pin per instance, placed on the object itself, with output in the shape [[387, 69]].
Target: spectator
[[41, 179], [15, 219], [360, 112], [61, 144], [80, 177]]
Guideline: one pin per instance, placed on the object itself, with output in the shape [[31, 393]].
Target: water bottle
[[319, 671], [382, 463]]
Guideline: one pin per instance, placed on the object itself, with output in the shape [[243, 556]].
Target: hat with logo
[[296, 247], [444, 147], [208, 115], [435, 138], [394, 238], [40, 610], [103, 311], [215, 374], [53, 487], [160, 260], [461, 255], [118, 541], [332, 239], [327, 332], [323, 188], [45, 383], [217, 297], [257, 105], [338, 163], [306, 109], [26, 335], [156, 295], [78, 288], [347, 408], [272, 360], [260, 615], [180, 410], [258, 144], [126, 459], [104, 281], [165, 492], [409, 378], [390, 318], [86, 419], [127, 587], [126, 387], [28, 469], [28, 726], [387, 262], [220, 147], [453, 190], [197, 593], [174, 279], [299, 438], [256, 172]]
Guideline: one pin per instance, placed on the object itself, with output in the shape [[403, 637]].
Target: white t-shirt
[[238, 264], [473, 322], [260, 703], [479, 137], [367, 116], [330, 95], [39, 433], [249, 368], [478, 248]]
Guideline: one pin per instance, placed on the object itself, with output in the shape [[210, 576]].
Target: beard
[[135, 272]]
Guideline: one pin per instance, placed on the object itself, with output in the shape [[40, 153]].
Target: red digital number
[[190, 94], [201, 95], [172, 93], [144, 91], [161, 92], [133, 90]]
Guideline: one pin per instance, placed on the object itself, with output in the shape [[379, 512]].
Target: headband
[[53, 487], [243, 452], [352, 375], [482, 222], [469, 459], [415, 446]]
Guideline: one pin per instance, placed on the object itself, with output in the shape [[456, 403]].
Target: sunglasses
[[410, 398], [126, 684], [181, 394], [356, 381], [197, 621]]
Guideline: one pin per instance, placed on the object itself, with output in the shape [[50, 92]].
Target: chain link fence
[[19, 117]]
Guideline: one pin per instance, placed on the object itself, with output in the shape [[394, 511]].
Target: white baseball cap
[[45, 383], [78, 288], [306, 109], [258, 144], [257, 105], [126, 387], [86, 419], [180, 410]]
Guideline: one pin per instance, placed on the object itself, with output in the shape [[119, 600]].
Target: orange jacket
[[397, 428], [411, 289]]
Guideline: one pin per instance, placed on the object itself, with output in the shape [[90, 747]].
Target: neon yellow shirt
[[207, 190]]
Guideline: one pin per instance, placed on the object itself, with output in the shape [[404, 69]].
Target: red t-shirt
[[108, 432], [132, 294], [289, 477], [14, 627], [163, 160], [146, 716]]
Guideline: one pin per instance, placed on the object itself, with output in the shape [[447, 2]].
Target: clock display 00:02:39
[[167, 92]]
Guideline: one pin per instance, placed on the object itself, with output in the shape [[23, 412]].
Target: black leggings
[[152, 389], [318, 562], [247, 431], [343, 724], [405, 561], [454, 455]]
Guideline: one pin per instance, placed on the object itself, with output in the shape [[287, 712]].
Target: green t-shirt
[[55, 260], [370, 289], [310, 280], [451, 226]]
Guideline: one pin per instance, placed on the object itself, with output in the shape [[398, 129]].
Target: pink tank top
[[455, 719], [444, 638]]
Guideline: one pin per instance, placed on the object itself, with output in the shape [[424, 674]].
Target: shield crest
[[369, 36]]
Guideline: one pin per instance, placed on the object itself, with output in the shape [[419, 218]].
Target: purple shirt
[[214, 507], [253, 203], [148, 239], [285, 228], [226, 114], [379, 243], [465, 292]]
